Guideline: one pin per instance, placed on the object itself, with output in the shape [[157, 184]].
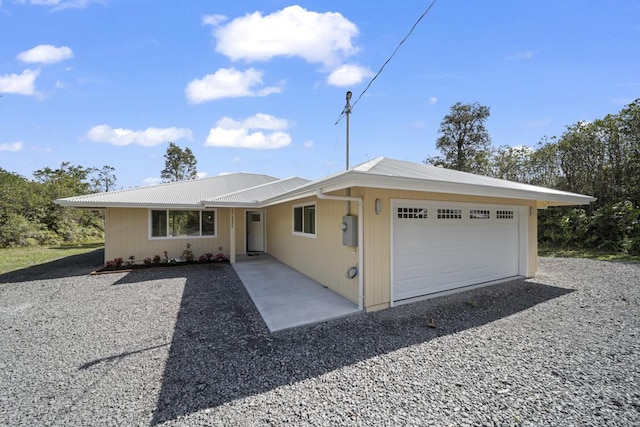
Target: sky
[[257, 86]]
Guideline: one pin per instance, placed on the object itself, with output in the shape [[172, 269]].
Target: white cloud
[[147, 138], [348, 75], [308, 144], [152, 180], [228, 83], [62, 4], [10, 146], [46, 54], [433, 100], [201, 175], [257, 121], [213, 20], [21, 84], [232, 133], [319, 38]]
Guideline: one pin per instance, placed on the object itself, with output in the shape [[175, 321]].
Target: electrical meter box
[[349, 230]]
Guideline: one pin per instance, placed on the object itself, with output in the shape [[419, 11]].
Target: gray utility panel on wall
[[349, 230]]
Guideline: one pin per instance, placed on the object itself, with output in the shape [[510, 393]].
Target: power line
[[388, 60]]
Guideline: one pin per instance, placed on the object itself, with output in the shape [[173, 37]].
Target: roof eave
[[389, 182], [102, 205], [241, 205]]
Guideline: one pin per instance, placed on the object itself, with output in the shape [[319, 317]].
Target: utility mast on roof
[[347, 112]]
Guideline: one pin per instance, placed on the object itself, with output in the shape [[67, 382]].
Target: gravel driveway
[[186, 346]]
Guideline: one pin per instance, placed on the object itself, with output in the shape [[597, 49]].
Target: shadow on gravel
[[222, 351], [74, 265]]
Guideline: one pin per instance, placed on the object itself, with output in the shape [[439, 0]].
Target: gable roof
[[181, 194], [251, 190]]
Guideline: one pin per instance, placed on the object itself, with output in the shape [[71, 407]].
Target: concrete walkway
[[286, 298]]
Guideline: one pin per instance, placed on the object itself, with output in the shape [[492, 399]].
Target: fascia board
[[92, 205], [363, 179], [231, 204], [412, 184]]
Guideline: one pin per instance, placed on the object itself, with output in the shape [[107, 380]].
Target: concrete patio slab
[[285, 297]]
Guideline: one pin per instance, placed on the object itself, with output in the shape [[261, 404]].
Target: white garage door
[[439, 246]]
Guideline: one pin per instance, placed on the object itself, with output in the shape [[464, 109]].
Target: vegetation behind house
[[599, 158]]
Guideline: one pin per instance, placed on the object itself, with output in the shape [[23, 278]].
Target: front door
[[255, 231]]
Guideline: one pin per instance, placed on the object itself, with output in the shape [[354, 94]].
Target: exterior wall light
[[378, 206]]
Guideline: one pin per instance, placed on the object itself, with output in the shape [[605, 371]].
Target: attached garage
[[442, 246]]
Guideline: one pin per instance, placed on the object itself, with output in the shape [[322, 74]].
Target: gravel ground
[[186, 346]]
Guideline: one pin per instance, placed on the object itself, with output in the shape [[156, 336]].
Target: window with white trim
[[304, 219], [169, 224]]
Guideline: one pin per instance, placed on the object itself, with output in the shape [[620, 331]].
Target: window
[[504, 214], [412, 213], [181, 224], [449, 213], [479, 214], [304, 219]]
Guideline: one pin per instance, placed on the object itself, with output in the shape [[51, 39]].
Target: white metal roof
[[394, 174], [243, 189], [256, 195], [189, 193]]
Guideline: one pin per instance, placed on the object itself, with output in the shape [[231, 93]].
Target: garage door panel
[[453, 245]]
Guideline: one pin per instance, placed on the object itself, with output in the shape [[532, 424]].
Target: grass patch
[[12, 259], [582, 253]]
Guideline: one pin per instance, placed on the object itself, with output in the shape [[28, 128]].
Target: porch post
[[232, 236]]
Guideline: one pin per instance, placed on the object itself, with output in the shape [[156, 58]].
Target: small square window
[[503, 214], [479, 214], [412, 213], [449, 213]]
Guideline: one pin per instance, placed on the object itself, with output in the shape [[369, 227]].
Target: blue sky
[[257, 86]]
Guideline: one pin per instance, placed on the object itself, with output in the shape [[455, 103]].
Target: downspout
[[360, 201]]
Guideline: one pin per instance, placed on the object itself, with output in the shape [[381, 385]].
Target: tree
[[545, 166], [464, 141], [28, 215], [105, 179], [179, 164], [513, 163], [69, 223]]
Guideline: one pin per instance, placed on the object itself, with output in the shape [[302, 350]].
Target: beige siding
[[324, 258], [241, 231], [127, 233]]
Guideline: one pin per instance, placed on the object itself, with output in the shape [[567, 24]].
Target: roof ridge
[[257, 186], [368, 165]]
